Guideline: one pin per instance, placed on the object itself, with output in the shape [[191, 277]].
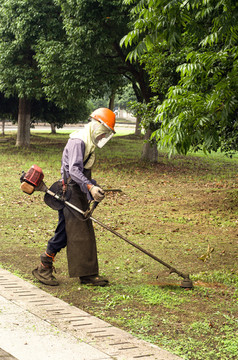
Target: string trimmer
[[33, 181]]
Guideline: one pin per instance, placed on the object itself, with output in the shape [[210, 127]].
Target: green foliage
[[161, 65], [155, 22], [200, 110], [125, 97], [22, 25], [145, 112], [91, 55], [94, 30], [63, 73]]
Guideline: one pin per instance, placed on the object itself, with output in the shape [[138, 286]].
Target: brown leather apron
[[81, 242]]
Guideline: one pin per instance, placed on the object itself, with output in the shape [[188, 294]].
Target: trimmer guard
[[52, 201]]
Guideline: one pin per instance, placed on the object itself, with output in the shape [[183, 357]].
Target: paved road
[[118, 127]]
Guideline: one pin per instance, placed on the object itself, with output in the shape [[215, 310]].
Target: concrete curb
[[36, 325]]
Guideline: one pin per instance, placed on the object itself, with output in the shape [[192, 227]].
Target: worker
[[72, 230]]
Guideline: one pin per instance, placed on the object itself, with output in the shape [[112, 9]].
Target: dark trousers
[[59, 240]]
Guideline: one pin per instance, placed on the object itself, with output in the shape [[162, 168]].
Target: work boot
[[94, 280], [44, 272]]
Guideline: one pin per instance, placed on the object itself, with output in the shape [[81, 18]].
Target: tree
[[92, 55], [201, 109], [22, 25]]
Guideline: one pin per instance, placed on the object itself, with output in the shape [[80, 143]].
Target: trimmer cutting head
[[187, 283]]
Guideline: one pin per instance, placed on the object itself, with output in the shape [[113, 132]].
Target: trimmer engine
[[32, 179]]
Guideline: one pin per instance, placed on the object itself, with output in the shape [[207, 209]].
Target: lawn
[[182, 209]]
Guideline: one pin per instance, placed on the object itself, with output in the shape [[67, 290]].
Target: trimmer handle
[[95, 204], [89, 212]]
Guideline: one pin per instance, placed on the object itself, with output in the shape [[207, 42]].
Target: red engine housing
[[34, 175]]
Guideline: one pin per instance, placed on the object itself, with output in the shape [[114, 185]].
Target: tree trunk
[[111, 101], [24, 122], [3, 127], [53, 129], [149, 151], [138, 129]]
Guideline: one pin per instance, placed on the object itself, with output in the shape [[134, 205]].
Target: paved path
[[118, 127], [6, 356], [35, 325]]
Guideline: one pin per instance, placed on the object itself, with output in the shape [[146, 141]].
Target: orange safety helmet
[[106, 117]]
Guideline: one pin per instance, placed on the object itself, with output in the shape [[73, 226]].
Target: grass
[[183, 210]]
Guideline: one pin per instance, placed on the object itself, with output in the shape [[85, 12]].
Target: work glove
[[97, 193]]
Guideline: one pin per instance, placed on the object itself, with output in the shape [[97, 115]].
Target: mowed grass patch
[[182, 209]]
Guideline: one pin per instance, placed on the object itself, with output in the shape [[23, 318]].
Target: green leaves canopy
[[85, 62], [23, 24], [201, 109], [94, 29]]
